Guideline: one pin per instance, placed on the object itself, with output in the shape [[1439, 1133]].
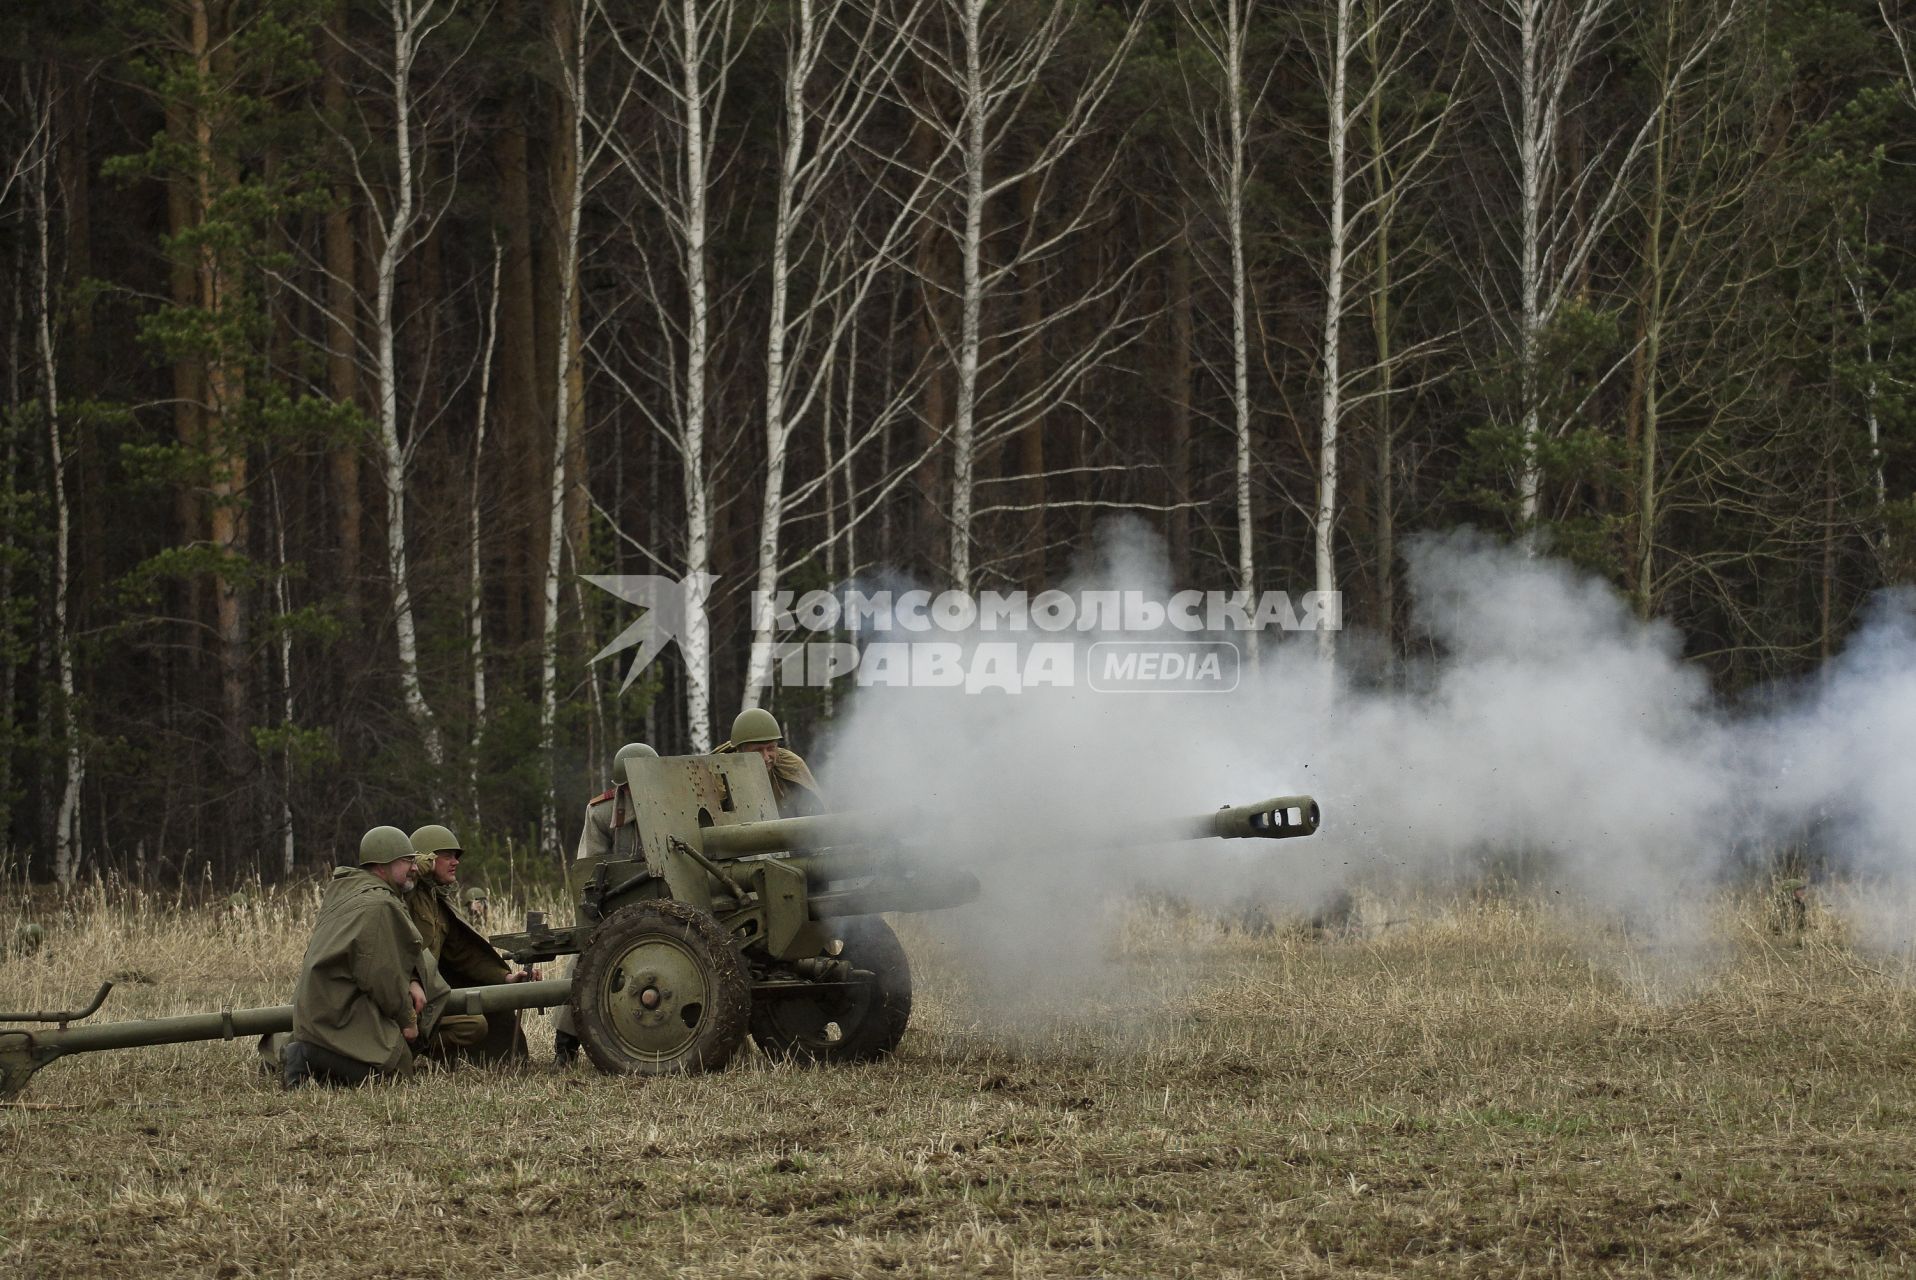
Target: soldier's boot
[[565, 1048], [270, 1047], [294, 1068]]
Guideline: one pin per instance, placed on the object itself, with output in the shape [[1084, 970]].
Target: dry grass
[[1489, 1090]]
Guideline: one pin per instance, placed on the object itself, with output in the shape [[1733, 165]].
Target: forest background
[[340, 337]]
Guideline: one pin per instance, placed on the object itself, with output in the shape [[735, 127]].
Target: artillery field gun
[[711, 918]]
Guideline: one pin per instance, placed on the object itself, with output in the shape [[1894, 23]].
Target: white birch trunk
[[475, 585], [970, 247], [555, 524], [407, 18], [1331, 409], [1866, 315], [846, 253], [1532, 141], [778, 432], [1236, 18], [68, 851], [696, 642], [288, 851], [1562, 215]]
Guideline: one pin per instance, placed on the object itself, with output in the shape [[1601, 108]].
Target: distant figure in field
[[1792, 908]]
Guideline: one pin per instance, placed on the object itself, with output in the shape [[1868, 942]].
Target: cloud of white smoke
[[1546, 722]]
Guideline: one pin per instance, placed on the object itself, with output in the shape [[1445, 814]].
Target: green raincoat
[[353, 995], [465, 958], [794, 788]]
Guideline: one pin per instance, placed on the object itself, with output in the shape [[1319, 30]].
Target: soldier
[[609, 831], [608, 815], [1791, 913], [793, 787], [464, 957], [367, 984]]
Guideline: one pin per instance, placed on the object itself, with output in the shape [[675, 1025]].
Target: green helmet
[[433, 838], [755, 724], [629, 751], [382, 845]]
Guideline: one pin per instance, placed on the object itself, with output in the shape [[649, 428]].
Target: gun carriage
[[712, 918]]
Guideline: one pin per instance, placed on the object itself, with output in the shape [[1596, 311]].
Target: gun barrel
[[780, 835], [1279, 818], [24, 1051]]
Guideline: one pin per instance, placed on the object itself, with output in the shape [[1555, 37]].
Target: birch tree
[[68, 850], [1698, 266], [825, 106], [399, 217], [677, 68], [288, 846], [475, 580], [1331, 393], [571, 23], [1861, 290], [1365, 52], [1536, 53], [1005, 57], [1222, 33]]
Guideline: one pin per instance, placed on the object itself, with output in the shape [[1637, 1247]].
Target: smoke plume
[[1544, 726]]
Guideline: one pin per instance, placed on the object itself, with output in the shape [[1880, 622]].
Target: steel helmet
[[382, 845], [630, 750], [432, 840], [754, 725]]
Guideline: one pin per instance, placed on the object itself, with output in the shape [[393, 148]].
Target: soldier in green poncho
[[794, 789], [368, 990], [464, 957]]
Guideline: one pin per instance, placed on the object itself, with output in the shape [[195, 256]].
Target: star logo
[[670, 608]]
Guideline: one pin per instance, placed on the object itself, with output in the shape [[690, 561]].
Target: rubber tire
[[871, 1022], [722, 1025]]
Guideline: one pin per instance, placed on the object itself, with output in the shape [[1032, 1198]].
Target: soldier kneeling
[[464, 957], [367, 985]]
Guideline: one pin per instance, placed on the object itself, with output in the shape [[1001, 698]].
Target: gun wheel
[[660, 991], [838, 1024]]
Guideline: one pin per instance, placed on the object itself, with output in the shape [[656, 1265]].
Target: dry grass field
[[1489, 1090]]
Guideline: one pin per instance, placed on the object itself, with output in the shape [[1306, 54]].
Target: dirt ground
[[1486, 1090]]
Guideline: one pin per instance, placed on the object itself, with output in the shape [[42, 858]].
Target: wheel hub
[[656, 996]]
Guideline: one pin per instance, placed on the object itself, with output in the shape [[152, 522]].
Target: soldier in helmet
[[368, 989], [793, 787], [609, 831], [464, 957], [608, 815]]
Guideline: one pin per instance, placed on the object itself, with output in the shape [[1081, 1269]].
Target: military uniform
[[609, 832], [609, 829], [465, 959], [794, 789], [353, 1002]]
